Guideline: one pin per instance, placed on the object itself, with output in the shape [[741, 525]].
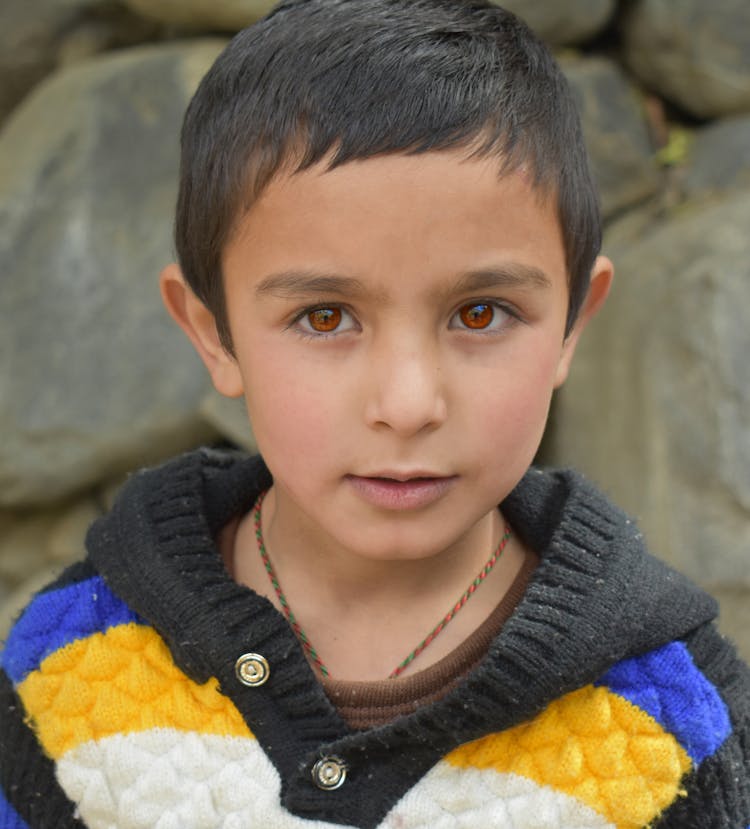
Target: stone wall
[[96, 381]]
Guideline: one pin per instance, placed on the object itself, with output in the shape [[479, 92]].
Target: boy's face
[[398, 326]]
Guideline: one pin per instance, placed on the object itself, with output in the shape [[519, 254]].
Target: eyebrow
[[510, 275], [293, 284]]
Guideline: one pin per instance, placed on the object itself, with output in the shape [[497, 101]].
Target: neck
[[301, 554], [341, 600]]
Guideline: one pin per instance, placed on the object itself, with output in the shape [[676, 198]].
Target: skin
[[398, 328]]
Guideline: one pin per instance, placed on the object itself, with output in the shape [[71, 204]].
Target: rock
[[5, 595], [17, 600], [24, 544], [230, 419], [657, 407], [719, 157], [695, 54], [616, 132], [35, 540], [564, 22], [108, 491], [37, 37], [734, 619], [95, 377], [67, 536], [217, 15]]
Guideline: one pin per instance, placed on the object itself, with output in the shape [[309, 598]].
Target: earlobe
[[199, 324], [601, 281]]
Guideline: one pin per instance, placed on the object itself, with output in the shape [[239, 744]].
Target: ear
[[200, 326], [601, 281]]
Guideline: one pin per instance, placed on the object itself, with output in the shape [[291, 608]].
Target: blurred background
[[96, 381]]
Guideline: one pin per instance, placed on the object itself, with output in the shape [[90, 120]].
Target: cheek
[[294, 413], [516, 411], [518, 420]]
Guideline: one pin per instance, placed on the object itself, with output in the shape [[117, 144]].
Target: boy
[[388, 243]]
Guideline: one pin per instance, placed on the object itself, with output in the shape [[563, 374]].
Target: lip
[[399, 491]]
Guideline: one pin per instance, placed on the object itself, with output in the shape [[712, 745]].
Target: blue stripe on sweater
[[9, 817], [59, 617], [667, 684]]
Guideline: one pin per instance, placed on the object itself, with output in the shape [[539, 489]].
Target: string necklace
[[304, 639]]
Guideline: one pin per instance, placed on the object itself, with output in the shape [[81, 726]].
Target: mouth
[[401, 491]]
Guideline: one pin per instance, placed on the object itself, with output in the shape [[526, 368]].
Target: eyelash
[[512, 314]]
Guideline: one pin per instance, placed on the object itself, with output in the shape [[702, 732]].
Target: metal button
[[252, 669], [329, 773]]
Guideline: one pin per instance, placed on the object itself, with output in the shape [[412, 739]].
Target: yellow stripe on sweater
[[119, 682], [596, 747]]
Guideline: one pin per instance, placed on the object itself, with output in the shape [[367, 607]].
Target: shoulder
[[696, 691], [75, 607], [659, 739], [40, 689], [678, 685]]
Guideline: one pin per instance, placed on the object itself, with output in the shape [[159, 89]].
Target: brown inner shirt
[[366, 705]]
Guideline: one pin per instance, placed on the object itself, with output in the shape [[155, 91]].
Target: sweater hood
[[598, 595]]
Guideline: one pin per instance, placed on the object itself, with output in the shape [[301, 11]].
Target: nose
[[406, 392]]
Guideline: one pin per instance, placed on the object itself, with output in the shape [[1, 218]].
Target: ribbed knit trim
[[366, 705], [157, 550], [578, 617]]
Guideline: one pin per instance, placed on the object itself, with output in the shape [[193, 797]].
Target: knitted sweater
[[606, 700]]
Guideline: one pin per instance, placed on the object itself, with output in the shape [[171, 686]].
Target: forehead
[[398, 219]]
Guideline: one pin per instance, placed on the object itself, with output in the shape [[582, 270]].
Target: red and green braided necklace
[[302, 636]]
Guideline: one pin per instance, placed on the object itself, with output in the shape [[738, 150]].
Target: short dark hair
[[352, 79]]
